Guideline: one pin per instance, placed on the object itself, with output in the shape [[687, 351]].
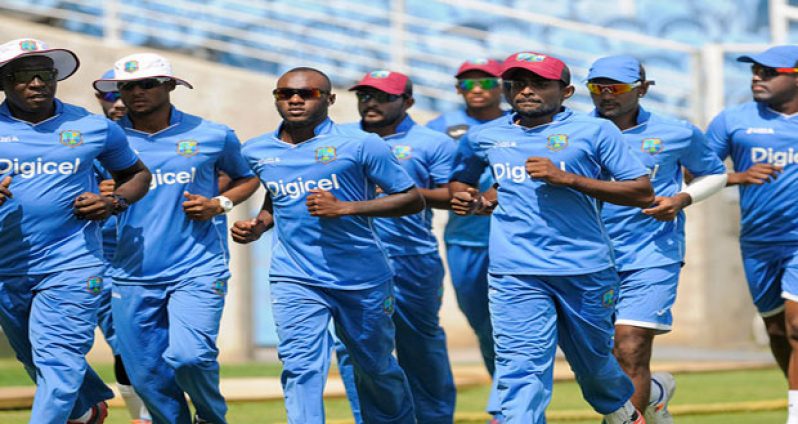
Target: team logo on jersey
[[71, 138], [28, 45], [380, 74], [388, 305], [131, 66], [652, 146], [457, 131], [557, 142], [608, 299], [530, 57], [220, 287], [187, 148], [402, 152], [326, 154], [94, 285]]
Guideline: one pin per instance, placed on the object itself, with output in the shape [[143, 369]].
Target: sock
[[657, 392], [133, 402], [623, 415], [792, 409]]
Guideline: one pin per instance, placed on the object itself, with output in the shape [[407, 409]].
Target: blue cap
[[621, 68], [774, 57]]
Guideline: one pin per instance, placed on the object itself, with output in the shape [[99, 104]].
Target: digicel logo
[[38, 167], [775, 157], [300, 187]]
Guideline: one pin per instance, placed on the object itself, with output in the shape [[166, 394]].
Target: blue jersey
[[427, 157], [157, 243], [109, 225], [664, 146], [753, 133], [339, 253], [471, 230], [538, 228], [51, 165]]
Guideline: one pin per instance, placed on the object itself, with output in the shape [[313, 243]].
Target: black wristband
[[119, 204]]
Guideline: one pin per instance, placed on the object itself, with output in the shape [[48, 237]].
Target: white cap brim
[[65, 61], [108, 85]]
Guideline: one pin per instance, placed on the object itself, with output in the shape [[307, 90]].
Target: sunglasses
[[304, 93], [613, 89], [110, 96], [483, 83], [24, 77], [766, 72], [378, 96], [518, 85], [144, 84]]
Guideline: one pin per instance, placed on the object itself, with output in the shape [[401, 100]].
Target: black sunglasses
[[144, 84], [378, 96], [766, 72], [304, 93], [24, 77]]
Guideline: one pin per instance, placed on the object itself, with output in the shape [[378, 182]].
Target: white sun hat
[[138, 67], [65, 61]]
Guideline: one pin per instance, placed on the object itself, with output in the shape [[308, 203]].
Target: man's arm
[[636, 192], [131, 183], [438, 197], [250, 230], [758, 174], [324, 204], [467, 200], [201, 208]]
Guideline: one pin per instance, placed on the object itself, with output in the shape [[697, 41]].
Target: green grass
[[699, 388]]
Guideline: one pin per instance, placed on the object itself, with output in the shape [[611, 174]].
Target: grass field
[[693, 389]]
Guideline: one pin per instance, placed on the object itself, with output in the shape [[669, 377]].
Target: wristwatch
[[225, 203], [119, 204]]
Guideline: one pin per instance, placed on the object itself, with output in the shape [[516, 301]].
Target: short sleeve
[[382, 167], [441, 160], [117, 154], [615, 156], [469, 163], [438, 124], [699, 158], [231, 161], [718, 137]]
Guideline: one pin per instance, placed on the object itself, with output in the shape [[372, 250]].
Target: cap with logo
[[548, 67], [138, 67], [65, 61], [621, 68], [386, 81], [488, 66], [785, 56]]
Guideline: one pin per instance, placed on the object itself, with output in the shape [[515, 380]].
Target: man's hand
[[758, 174], [200, 208], [247, 231], [5, 193], [544, 169], [324, 204], [470, 202], [666, 208], [107, 187], [93, 206]]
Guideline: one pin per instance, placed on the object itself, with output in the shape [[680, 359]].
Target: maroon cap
[[387, 81], [488, 66], [546, 66]]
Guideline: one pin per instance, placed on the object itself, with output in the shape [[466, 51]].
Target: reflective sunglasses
[[483, 83], [24, 77], [304, 93], [144, 84], [378, 96], [518, 85], [613, 89], [110, 96], [766, 72]]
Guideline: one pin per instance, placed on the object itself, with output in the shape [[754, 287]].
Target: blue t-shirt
[[753, 133], [52, 164], [109, 225], [538, 228], [469, 230], [426, 156], [339, 253], [663, 145], [157, 243]]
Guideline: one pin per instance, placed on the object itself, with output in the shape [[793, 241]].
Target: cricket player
[[170, 270], [649, 245], [328, 262], [383, 100], [551, 276], [51, 257], [759, 136]]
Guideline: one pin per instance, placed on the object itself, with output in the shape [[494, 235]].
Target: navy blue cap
[[621, 68], [775, 57]]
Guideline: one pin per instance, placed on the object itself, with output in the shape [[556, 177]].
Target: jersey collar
[[562, 115], [764, 106], [323, 128], [642, 117], [175, 117], [59, 109], [403, 127]]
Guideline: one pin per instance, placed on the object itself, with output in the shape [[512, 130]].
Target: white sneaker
[[658, 413]]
